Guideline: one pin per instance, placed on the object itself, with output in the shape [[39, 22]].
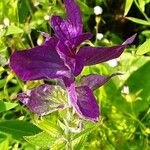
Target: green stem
[[68, 132], [29, 7], [29, 36], [97, 19], [69, 141]]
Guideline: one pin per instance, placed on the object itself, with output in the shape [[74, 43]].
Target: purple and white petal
[[44, 99], [75, 63], [70, 87], [41, 62], [66, 55], [82, 100], [94, 81], [95, 55]]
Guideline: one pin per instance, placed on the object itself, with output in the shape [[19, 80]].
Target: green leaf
[[53, 129], [139, 21], [142, 5], [147, 1], [2, 32], [131, 63], [13, 30], [23, 11], [136, 74], [42, 139], [4, 106], [84, 8], [128, 5], [3, 81], [146, 34], [81, 143], [139, 85], [85, 132], [3, 49], [59, 144], [144, 48], [17, 129], [4, 143], [3, 137]]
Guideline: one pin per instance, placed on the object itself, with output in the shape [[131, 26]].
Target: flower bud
[[98, 10], [99, 36]]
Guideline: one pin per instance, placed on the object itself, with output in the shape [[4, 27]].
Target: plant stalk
[[68, 132]]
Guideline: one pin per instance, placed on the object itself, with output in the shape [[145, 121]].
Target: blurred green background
[[124, 101]]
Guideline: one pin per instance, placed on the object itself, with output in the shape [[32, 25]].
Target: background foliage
[[125, 115]]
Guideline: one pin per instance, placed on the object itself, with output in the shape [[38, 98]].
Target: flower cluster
[[62, 58]]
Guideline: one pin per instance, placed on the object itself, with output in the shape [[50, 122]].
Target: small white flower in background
[[112, 63], [99, 36], [125, 90], [46, 17], [6, 21], [98, 10]]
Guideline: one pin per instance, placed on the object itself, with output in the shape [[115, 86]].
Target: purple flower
[[61, 58], [41, 62], [44, 99], [59, 55], [48, 98], [82, 98]]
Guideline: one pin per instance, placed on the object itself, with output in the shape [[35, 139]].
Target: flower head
[[98, 10], [82, 98], [99, 36], [61, 58]]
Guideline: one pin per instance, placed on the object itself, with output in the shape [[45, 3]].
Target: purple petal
[[79, 64], [66, 55], [63, 29], [74, 15], [72, 26], [75, 63], [82, 100], [95, 55], [74, 42], [129, 40], [44, 99], [70, 85], [94, 81], [39, 63], [86, 105], [60, 27]]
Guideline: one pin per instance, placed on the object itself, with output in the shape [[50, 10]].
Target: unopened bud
[[99, 36], [98, 10]]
